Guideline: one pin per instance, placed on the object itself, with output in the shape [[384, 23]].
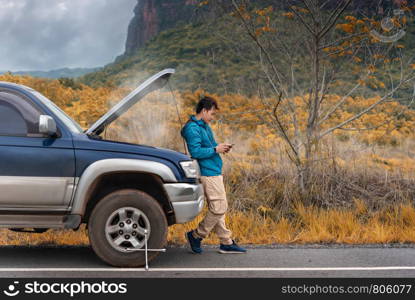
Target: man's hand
[[223, 148], [229, 147]]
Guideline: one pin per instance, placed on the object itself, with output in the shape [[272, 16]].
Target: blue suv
[[55, 175]]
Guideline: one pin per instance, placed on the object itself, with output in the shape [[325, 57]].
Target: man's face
[[208, 115]]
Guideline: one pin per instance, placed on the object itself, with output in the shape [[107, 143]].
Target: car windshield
[[69, 122]]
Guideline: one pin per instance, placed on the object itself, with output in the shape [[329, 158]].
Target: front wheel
[[118, 224]]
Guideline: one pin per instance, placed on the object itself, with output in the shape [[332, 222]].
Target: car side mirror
[[47, 125]]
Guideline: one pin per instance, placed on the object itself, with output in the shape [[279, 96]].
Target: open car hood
[[153, 83]]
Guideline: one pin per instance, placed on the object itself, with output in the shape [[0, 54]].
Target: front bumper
[[187, 200]]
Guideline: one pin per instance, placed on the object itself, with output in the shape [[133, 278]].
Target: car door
[[36, 171]]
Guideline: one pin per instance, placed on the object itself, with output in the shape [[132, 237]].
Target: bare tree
[[324, 44]]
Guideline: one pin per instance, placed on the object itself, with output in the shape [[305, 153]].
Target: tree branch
[[301, 19], [330, 23], [366, 110]]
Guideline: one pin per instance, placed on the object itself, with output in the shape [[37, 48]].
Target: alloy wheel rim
[[125, 229]]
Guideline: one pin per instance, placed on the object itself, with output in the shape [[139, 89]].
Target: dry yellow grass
[[316, 225], [307, 225], [51, 237], [376, 166]]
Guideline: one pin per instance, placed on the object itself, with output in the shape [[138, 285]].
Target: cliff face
[[153, 16]]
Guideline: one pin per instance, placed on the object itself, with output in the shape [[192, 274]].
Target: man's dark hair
[[206, 102]]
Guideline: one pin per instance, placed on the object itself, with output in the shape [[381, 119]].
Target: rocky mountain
[[203, 49], [153, 16]]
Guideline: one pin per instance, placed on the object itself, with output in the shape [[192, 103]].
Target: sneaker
[[234, 248], [195, 243]]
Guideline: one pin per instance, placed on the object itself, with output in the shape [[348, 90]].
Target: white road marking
[[206, 269]]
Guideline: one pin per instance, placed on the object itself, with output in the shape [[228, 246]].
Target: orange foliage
[[349, 28], [85, 104], [237, 114]]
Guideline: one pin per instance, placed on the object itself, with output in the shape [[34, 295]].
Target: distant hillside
[[154, 16], [58, 73], [201, 60], [206, 53]]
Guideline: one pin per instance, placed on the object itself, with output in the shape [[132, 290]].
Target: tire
[[122, 206]]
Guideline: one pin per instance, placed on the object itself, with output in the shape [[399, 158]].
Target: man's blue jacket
[[201, 144]]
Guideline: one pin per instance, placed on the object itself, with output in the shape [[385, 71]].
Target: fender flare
[[105, 166]]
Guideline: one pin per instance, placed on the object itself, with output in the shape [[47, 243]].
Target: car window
[[18, 117]]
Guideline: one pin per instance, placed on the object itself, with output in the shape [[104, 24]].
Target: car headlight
[[190, 168]]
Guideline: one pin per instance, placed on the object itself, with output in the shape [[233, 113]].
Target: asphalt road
[[277, 261]]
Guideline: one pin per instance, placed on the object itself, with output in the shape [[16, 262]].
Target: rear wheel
[[118, 224]]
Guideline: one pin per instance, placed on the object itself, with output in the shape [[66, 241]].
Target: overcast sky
[[51, 34]]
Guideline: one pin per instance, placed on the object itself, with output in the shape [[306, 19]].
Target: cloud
[[50, 34]]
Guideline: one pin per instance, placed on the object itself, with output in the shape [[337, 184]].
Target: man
[[203, 147]]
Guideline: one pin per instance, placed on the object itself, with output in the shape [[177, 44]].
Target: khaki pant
[[217, 205]]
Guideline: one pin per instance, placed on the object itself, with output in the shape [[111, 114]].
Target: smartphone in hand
[[230, 147]]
